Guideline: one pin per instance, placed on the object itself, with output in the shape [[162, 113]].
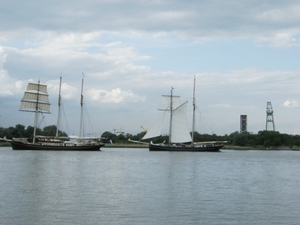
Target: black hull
[[153, 147], [29, 146]]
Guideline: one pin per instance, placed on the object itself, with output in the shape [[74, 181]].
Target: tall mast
[[59, 103], [81, 111], [36, 112], [194, 109], [171, 115]]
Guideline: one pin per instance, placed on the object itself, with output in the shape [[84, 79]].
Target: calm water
[[135, 186]]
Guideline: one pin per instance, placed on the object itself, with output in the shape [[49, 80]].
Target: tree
[[51, 131], [262, 138], [276, 142], [267, 144], [295, 140], [139, 136], [241, 139], [121, 138], [19, 131], [109, 136], [29, 132]]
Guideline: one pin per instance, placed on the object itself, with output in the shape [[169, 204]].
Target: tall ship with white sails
[[36, 100], [179, 134]]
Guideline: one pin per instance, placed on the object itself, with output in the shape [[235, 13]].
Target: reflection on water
[[125, 186]]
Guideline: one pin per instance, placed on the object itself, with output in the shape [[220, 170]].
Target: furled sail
[[179, 131], [35, 98], [31, 106], [37, 87]]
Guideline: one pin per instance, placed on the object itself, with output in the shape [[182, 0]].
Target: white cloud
[[9, 86], [67, 91], [291, 104], [244, 54], [215, 19], [3, 56], [115, 96]]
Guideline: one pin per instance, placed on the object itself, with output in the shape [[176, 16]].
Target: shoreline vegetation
[[226, 147], [263, 140]]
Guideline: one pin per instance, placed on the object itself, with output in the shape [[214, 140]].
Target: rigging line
[[39, 125], [89, 119], [25, 117], [206, 113], [202, 118], [65, 117], [150, 118], [17, 117]]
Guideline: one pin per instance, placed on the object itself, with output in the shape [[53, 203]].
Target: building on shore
[[243, 123]]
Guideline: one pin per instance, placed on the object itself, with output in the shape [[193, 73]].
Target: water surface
[[135, 186]]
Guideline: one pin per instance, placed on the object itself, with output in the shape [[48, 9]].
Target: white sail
[[179, 129], [166, 102], [155, 130], [180, 132]]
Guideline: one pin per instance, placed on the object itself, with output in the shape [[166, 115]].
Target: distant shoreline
[[124, 146], [226, 147]]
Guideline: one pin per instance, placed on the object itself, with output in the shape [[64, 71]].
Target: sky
[[243, 54]]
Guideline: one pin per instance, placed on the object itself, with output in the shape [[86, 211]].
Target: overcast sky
[[243, 54]]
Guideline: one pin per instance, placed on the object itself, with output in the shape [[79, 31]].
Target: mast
[[59, 103], [36, 112], [194, 109], [81, 105], [171, 115]]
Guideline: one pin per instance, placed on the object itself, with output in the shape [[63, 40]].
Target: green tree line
[[20, 131], [267, 139]]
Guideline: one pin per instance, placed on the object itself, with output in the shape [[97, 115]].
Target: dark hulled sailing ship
[[179, 134], [36, 100]]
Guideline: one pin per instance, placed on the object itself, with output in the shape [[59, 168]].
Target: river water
[[135, 186]]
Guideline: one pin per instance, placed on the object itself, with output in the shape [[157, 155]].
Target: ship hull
[[30, 146], [153, 147]]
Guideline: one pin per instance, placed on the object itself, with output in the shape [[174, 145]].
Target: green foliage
[[241, 139], [268, 139], [121, 139], [51, 131], [139, 136], [267, 143], [208, 137], [109, 137], [19, 131], [160, 139]]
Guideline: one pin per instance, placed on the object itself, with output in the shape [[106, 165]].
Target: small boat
[[179, 134], [36, 100]]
